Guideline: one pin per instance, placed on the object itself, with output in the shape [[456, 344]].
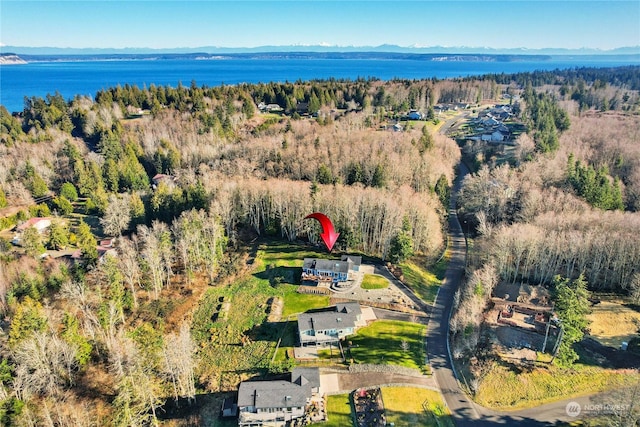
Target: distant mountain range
[[386, 48]]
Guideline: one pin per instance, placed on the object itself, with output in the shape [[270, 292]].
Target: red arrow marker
[[329, 235]]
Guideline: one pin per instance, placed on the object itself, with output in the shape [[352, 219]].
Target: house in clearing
[[279, 402], [160, 178], [321, 328], [40, 224], [326, 270], [493, 137]]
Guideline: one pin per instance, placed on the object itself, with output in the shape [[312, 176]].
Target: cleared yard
[[390, 342], [295, 303], [404, 406], [410, 406], [338, 411], [612, 323], [374, 281]]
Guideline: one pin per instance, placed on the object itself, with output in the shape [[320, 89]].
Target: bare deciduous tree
[[180, 364], [45, 364], [117, 216], [129, 263]]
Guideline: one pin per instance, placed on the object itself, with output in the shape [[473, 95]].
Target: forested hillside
[[185, 179], [567, 209]]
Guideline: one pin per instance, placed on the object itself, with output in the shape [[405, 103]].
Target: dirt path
[[346, 382]]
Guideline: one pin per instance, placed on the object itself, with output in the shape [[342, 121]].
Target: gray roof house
[[328, 326], [320, 270], [278, 402]]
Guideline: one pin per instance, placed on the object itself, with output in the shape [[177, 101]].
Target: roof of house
[[273, 394], [104, 251], [306, 377], [32, 222], [349, 307], [326, 265], [355, 260], [340, 316]]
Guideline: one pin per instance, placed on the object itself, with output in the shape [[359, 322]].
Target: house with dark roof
[[328, 326], [326, 270], [279, 402]]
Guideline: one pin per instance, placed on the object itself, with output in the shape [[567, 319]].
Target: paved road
[[466, 412], [462, 408]]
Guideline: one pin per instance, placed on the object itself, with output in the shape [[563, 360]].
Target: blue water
[[85, 78]]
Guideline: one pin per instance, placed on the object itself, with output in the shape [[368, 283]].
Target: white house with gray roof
[[276, 403], [321, 328]]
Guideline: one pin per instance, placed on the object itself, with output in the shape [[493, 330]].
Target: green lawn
[[409, 406], [404, 406], [338, 411], [374, 281], [424, 283], [382, 342], [241, 340], [295, 302]]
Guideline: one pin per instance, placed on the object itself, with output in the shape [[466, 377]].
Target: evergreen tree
[[324, 175], [401, 246], [28, 317], [32, 242], [87, 243], [3, 199], [571, 299], [68, 190], [425, 142], [442, 190], [63, 205], [58, 236], [379, 178]]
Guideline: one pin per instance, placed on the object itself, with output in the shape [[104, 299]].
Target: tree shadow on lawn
[[274, 331], [278, 250], [593, 353], [206, 409], [281, 275]]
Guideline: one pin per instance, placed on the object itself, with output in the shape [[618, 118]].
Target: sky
[[170, 24]]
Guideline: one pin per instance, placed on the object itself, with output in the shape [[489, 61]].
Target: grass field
[[502, 388], [382, 342], [374, 281], [409, 406], [240, 340], [295, 303], [424, 283], [612, 323], [338, 411], [404, 406]]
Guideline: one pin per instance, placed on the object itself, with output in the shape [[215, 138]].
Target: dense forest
[[185, 178]]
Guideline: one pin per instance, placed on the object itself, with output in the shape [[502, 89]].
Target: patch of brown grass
[[612, 323]]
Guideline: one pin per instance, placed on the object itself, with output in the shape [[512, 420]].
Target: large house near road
[[321, 328], [320, 270], [278, 403]]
